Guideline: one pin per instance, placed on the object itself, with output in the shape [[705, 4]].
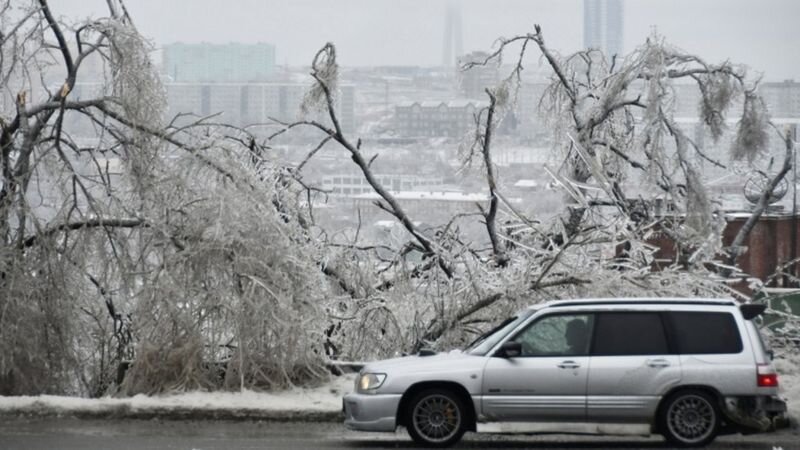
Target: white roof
[[428, 195], [526, 183]]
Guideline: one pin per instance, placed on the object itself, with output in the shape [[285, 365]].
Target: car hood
[[416, 363]]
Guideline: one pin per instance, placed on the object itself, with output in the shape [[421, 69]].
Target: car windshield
[[486, 341]]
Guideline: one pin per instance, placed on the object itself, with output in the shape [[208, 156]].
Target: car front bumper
[[374, 412]]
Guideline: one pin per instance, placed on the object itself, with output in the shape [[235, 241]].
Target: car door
[[547, 381], [630, 367]]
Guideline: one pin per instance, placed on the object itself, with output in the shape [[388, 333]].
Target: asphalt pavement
[[74, 434]]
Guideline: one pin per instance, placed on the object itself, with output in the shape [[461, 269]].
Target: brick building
[[436, 119], [453, 119]]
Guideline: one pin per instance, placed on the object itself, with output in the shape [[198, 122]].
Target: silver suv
[[688, 369]]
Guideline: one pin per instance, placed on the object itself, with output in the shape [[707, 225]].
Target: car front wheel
[[690, 418], [436, 418]]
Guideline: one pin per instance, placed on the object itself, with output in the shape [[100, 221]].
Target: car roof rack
[[641, 301]]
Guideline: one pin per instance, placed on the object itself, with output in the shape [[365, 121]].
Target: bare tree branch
[[497, 246], [326, 55], [89, 223]]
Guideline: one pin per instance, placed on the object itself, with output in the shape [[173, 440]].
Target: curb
[[124, 412]]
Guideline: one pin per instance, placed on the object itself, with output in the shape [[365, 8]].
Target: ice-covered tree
[[188, 249], [126, 235]]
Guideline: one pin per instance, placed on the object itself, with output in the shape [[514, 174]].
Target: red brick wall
[[768, 245]]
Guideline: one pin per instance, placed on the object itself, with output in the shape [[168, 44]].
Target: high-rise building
[[453, 36], [603, 25], [219, 63]]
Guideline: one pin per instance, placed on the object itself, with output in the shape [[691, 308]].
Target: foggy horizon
[[389, 32]]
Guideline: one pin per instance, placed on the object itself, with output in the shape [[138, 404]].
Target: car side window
[[557, 335], [705, 332], [629, 333]]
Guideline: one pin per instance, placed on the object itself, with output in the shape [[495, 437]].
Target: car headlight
[[370, 381]]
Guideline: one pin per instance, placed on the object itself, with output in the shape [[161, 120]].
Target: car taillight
[[766, 376]]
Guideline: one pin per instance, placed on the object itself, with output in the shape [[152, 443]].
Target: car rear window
[[705, 332], [626, 333]]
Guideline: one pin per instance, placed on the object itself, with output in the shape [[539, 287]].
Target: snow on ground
[[326, 398], [789, 380]]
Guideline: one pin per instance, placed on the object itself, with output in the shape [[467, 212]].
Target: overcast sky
[[764, 34]]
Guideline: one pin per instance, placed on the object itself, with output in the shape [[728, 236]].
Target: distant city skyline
[[762, 34]]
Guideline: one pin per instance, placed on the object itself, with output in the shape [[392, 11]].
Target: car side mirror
[[509, 349]]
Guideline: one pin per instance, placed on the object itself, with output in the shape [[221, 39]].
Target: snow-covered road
[[73, 434]]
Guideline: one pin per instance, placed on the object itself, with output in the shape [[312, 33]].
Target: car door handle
[[569, 365], [658, 362]]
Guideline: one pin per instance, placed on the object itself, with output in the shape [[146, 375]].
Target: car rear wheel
[[690, 418], [436, 418]]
